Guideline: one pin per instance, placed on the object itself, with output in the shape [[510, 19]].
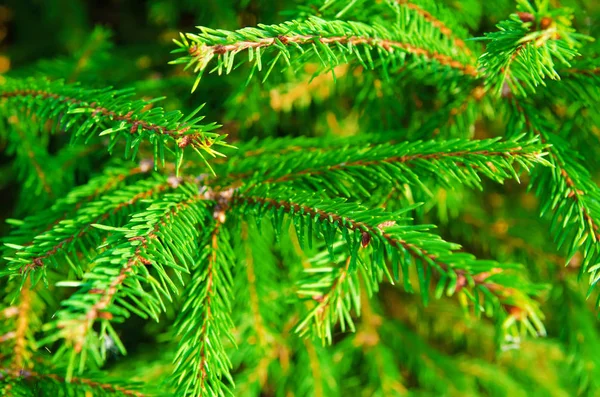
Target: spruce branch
[[131, 275], [567, 192], [52, 382], [86, 112], [522, 54], [336, 292], [79, 229], [202, 367], [445, 30], [366, 169], [332, 42], [482, 282]]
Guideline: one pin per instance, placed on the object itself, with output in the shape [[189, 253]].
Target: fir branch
[[201, 363], [314, 36], [367, 169], [521, 54], [77, 383], [402, 244], [86, 112], [435, 22], [161, 237], [76, 230], [336, 290], [568, 191]]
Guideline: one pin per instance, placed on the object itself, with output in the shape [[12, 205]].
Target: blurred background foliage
[[438, 349]]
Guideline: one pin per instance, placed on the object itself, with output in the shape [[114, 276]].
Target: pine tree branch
[[201, 363], [380, 230], [441, 26], [311, 36], [369, 169], [76, 230], [573, 191], [105, 107], [89, 384], [162, 237], [139, 258], [521, 54], [568, 191]]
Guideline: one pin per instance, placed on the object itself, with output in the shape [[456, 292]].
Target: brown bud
[[365, 240], [105, 315], [545, 22], [526, 17]]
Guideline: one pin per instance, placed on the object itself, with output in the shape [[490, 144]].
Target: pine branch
[[79, 229], [568, 192], [57, 383], [332, 42], [368, 169], [87, 112], [159, 238], [435, 22], [402, 245], [202, 367], [521, 55]]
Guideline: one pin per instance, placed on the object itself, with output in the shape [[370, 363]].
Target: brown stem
[[201, 52], [344, 222], [395, 159], [128, 118]]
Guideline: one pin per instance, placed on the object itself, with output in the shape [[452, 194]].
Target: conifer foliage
[[357, 198]]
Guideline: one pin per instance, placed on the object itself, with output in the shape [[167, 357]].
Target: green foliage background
[[365, 198]]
